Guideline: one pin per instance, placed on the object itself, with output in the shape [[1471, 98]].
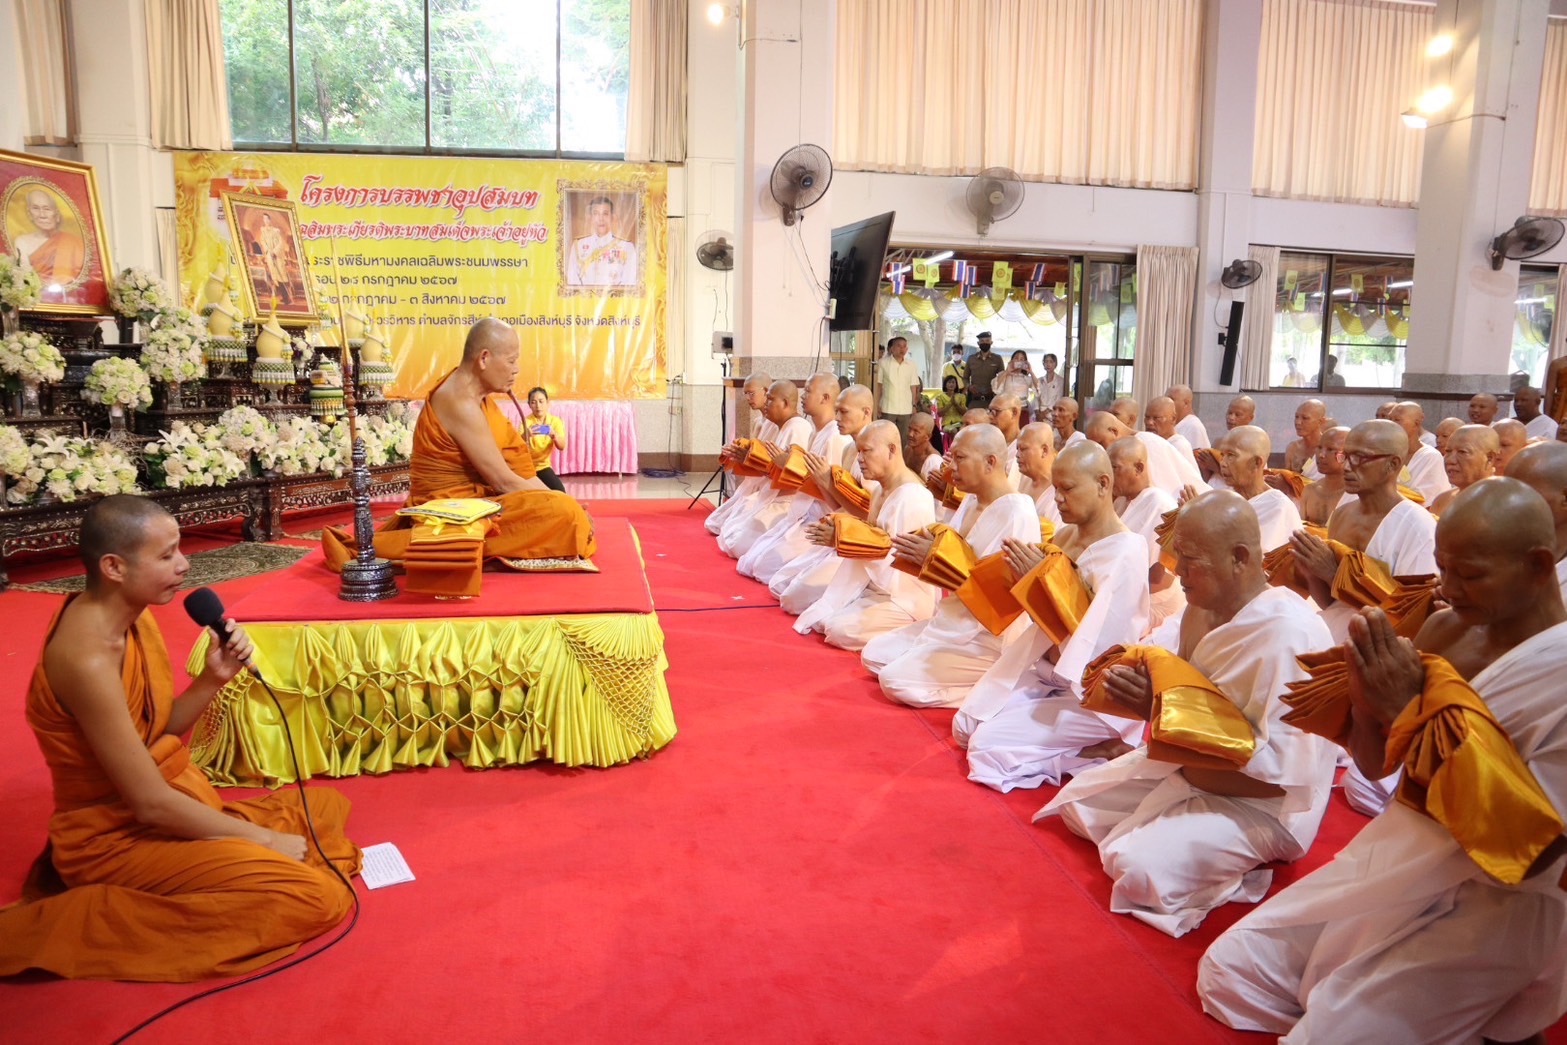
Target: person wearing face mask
[[984, 366]]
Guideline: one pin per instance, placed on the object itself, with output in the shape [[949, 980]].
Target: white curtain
[[1257, 326], [1098, 92], [1166, 289], [1548, 187], [188, 88], [656, 99], [1333, 77], [169, 254], [47, 84]]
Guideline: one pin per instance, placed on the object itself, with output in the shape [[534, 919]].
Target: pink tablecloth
[[601, 435]]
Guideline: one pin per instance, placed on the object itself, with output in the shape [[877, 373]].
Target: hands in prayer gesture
[[1276, 481], [820, 533], [911, 547], [773, 451], [228, 659], [1385, 671], [730, 452], [1021, 557], [1132, 687], [1313, 555], [821, 471], [1188, 492]]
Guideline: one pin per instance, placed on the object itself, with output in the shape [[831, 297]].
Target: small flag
[[1060, 290], [1291, 280], [1039, 274], [1357, 284], [1029, 288], [965, 275], [1000, 278], [898, 279]]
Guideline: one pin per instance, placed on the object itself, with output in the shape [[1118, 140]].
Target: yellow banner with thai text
[[573, 254]]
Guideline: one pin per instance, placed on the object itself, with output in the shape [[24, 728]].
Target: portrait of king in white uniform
[[604, 256]]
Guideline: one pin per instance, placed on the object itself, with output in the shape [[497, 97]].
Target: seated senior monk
[[866, 597], [1168, 469], [1022, 723], [1159, 419], [1188, 423], [1180, 839], [1511, 436], [463, 446], [801, 580], [1125, 410], [1399, 535], [764, 506], [1063, 422], [1444, 431], [1241, 411], [763, 430], [1471, 455], [1243, 463], [1443, 920], [1143, 506], [1320, 499], [1036, 457], [1544, 467], [933, 663], [920, 455], [1426, 467], [148, 874], [1299, 456]]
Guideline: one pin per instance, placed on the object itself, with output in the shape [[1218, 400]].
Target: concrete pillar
[[1474, 183], [1232, 38], [786, 96]]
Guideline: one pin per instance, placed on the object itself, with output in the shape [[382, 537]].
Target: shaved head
[[1129, 466], [1385, 411], [116, 525], [1090, 459], [1160, 416], [1218, 551], [1412, 419], [1472, 453], [1543, 466], [1309, 418], [1241, 411], [1181, 396], [1105, 428], [1526, 403], [880, 450], [979, 460], [758, 380], [1036, 451], [1482, 409], [1126, 410], [1243, 459], [1496, 548], [975, 415], [783, 401], [1379, 446], [1329, 451], [855, 407], [755, 390], [1083, 480], [1512, 437], [1444, 431], [488, 335], [1005, 412]]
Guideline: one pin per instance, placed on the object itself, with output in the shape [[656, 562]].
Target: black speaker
[[1231, 340]]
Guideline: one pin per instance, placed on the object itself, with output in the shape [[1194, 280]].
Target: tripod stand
[[723, 440]]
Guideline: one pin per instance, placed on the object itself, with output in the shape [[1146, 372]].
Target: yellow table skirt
[[378, 696]]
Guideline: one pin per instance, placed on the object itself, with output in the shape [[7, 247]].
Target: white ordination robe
[[1168, 468], [785, 537], [932, 462], [1561, 576], [864, 598], [1174, 851], [1277, 517], [747, 486], [1023, 723], [1402, 937], [1542, 427], [1183, 447], [801, 581], [1428, 473], [1075, 437], [1044, 498], [1142, 515], [765, 505], [934, 662], [1194, 431]]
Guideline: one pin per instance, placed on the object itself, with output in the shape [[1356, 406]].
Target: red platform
[[307, 591]]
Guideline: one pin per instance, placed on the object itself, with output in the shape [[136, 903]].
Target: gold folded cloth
[[1292, 483], [452, 509], [1463, 771], [987, 592], [1320, 703], [947, 564], [1053, 594], [846, 486], [939, 483], [1411, 494], [791, 471], [741, 463], [1165, 531], [758, 459], [857, 539], [1279, 565], [445, 559], [1047, 529], [1360, 580], [1191, 722], [1410, 603]]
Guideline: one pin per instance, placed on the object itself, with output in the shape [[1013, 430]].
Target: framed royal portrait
[[264, 234], [51, 222], [602, 232]]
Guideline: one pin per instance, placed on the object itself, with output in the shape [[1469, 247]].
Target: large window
[[535, 77], [1340, 321], [1539, 290]]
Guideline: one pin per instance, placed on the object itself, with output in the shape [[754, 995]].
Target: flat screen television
[[858, 253]]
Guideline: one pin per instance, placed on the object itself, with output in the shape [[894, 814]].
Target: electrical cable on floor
[[298, 959]]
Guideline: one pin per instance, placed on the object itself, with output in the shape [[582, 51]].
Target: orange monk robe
[[113, 899], [58, 259], [532, 524]]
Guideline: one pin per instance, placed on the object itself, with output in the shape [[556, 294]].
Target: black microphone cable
[[299, 783]]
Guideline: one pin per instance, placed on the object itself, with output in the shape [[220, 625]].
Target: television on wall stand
[[858, 253]]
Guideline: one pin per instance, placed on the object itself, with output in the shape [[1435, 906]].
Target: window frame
[[297, 146], [1325, 344]]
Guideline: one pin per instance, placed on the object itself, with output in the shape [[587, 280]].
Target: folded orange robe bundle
[[446, 559], [948, 563], [1191, 723], [1411, 494], [846, 486], [939, 483], [758, 459], [1292, 483], [1360, 580], [1410, 603], [1165, 531], [740, 464], [1463, 771], [1051, 593], [1279, 565], [857, 539], [1319, 704], [790, 472]]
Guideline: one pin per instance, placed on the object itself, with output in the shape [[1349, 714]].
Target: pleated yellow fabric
[[987, 592], [1320, 703], [857, 539], [845, 485], [1293, 483], [1462, 770], [1053, 594], [377, 696], [1191, 723], [789, 472]]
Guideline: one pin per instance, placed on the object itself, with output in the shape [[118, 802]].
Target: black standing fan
[[1238, 274], [993, 194], [1527, 237], [800, 178]]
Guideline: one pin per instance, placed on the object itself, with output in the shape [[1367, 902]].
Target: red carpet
[[805, 863]]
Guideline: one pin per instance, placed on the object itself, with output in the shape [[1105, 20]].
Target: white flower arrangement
[[29, 357], [20, 286], [118, 382], [243, 430], [195, 456], [138, 294], [15, 455], [297, 448], [72, 468], [171, 355]]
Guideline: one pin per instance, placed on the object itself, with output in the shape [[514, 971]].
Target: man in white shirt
[[1188, 424], [897, 386]]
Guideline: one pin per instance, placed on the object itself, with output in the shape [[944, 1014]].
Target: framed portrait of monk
[[265, 234], [51, 221], [602, 231]]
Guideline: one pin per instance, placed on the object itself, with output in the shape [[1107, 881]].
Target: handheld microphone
[[206, 609]]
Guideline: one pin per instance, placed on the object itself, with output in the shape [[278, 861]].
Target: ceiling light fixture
[[1439, 45], [943, 256], [716, 13], [1435, 99], [1414, 120]]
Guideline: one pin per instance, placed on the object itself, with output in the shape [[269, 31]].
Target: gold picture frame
[[270, 256], [51, 221]]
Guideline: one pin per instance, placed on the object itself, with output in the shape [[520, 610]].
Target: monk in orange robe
[[465, 447], [148, 874], [53, 252]]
